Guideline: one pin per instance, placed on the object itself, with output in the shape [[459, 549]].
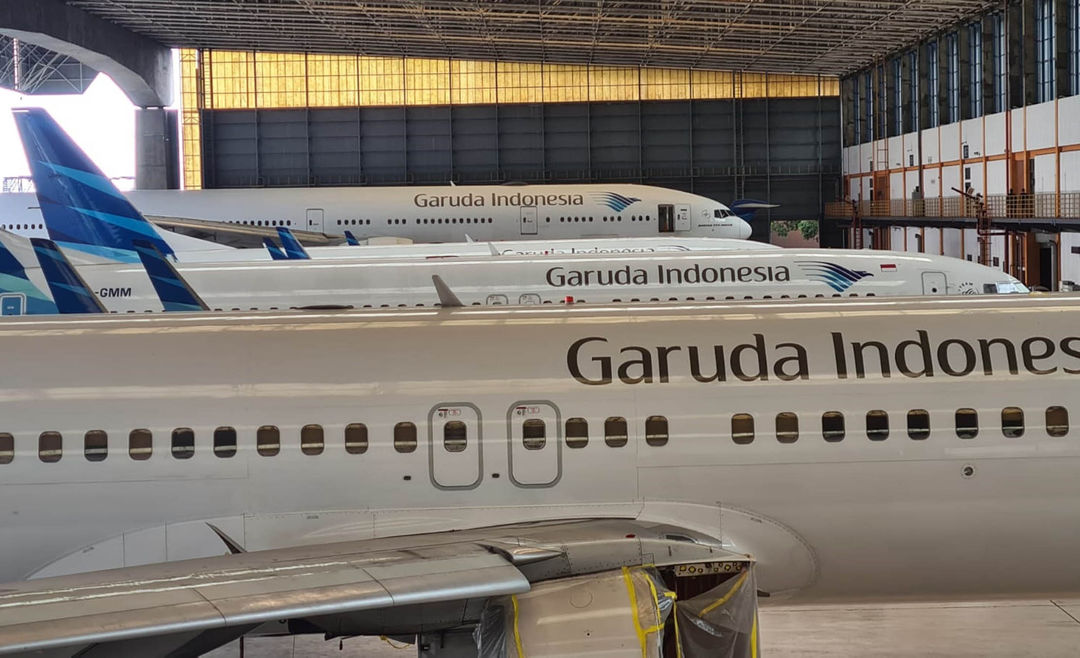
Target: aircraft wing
[[237, 235], [191, 606]]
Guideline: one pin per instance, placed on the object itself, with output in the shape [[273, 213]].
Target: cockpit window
[[1005, 288], [720, 213]]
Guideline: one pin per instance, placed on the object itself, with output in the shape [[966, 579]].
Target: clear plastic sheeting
[[613, 613], [722, 622]]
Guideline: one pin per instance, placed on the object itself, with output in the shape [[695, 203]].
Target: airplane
[[21, 290], [423, 214], [552, 279], [402, 471]]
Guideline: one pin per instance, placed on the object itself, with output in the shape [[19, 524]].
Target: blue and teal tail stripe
[[173, 291], [69, 291], [82, 208], [837, 277], [13, 280], [293, 249], [350, 239], [275, 252]]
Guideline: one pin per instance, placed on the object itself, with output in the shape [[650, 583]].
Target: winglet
[[82, 208], [275, 252], [447, 298], [494, 249], [69, 291], [234, 546], [293, 249], [173, 291], [350, 239]]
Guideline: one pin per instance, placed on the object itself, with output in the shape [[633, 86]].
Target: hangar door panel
[[455, 453], [534, 433]]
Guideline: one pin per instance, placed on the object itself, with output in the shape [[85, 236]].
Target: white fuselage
[[827, 512], [436, 214], [545, 279]]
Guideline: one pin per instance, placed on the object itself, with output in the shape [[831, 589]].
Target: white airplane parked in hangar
[[394, 472], [422, 214]]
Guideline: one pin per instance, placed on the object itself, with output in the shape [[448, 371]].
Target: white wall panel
[[951, 243], [933, 240], [896, 186], [1045, 173], [1069, 120], [1070, 262], [995, 177], [971, 134], [897, 159], [1017, 129], [1070, 170], [995, 134], [976, 177], [851, 160], [931, 182], [930, 146], [951, 177], [971, 244], [1040, 126], [950, 142], [911, 149]]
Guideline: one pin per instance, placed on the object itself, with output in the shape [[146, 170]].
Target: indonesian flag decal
[[888, 267]]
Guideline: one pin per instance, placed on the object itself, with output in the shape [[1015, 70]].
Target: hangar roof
[[800, 36]]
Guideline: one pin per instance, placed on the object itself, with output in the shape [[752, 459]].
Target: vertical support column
[[1061, 49], [941, 97], [848, 109], [157, 149], [926, 98], [963, 63], [986, 85], [908, 124]]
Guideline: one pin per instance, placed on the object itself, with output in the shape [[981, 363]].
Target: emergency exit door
[[455, 451], [534, 434], [315, 220], [682, 217], [528, 220], [934, 283]]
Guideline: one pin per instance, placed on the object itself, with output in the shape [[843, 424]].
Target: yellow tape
[[642, 637], [754, 638], [725, 598], [517, 635]]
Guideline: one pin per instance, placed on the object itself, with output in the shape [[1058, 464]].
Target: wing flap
[[245, 589]]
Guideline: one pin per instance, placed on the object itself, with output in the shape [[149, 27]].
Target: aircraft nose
[[744, 230]]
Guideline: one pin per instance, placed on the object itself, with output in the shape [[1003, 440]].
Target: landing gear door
[[12, 304], [682, 217], [534, 432], [934, 283], [528, 220], [454, 446], [315, 220]]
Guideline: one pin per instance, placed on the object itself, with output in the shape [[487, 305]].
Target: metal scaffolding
[[799, 36]]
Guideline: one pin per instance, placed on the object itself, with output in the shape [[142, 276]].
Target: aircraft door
[[528, 220], [455, 453], [534, 431], [682, 217], [12, 304], [315, 220], [934, 283], [666, 217]]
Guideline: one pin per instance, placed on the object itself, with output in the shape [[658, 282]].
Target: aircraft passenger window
[[577, 432], [405, 437], [918, 424], [1012, 422], [615, 434], [7, 448], [656, 431], [225, 441], [742, 429], [140, 444], [50, 447], [877, 425], [311, 439], [832, 426], [96, 445], [268, 440], [534, 434], [787, 427], [183, 443], [356, 442], [967, 423], [455, 436], [1057, 421]]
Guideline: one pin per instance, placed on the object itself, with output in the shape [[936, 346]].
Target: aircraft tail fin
[[82, 208], [18, 294], [293, 249], [447, 298], [747, 209], [350, 239], [275, 251], [173, 291], [69, 291]]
